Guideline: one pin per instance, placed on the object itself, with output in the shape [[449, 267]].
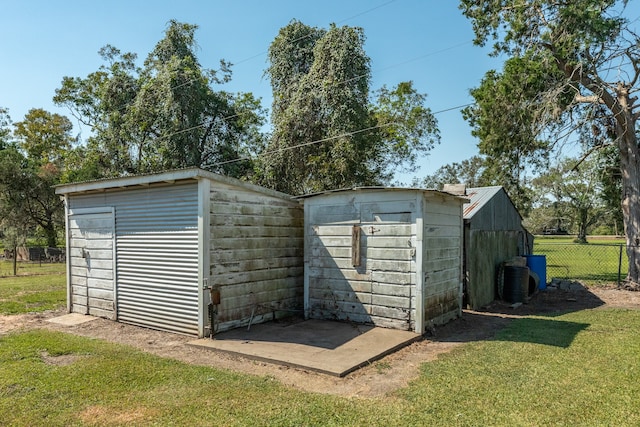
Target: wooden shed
[[493, 233], [389, 257], [179, 250]]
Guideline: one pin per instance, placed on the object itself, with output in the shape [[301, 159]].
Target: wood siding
[[493, 234], [484, 252], [409, 271], [91, 274], [256, 255], [442, 260]]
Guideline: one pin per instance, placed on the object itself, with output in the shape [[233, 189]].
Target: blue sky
[[426, 41]]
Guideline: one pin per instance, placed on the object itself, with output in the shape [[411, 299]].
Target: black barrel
[[516, 284]]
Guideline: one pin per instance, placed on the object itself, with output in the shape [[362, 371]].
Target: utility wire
[[319, 141], [309, 35]]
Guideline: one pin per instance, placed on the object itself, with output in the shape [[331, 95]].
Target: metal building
[[385, 256], [493, 233], [179, 250]]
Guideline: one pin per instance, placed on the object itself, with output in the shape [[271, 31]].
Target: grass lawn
[[595, 262], [31, 268], [575, 369], [38, 288]]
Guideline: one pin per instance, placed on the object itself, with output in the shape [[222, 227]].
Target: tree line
[[330, 129]]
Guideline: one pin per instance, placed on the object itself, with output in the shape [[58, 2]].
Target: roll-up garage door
[[157, 258]]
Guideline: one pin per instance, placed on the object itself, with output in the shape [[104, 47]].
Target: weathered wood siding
[[493, 234], [380, 288], [91, 275], [499, 213], [442, 260], [485, 251], [256, 255]]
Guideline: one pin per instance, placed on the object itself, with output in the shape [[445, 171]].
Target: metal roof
[[166, 177], [380, 188], [478, 198]]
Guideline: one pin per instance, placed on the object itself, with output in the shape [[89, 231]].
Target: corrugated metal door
[[157, 257], [91, 257]]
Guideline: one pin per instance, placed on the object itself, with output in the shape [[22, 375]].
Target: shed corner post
[[419, 262], [67, 243], [463, 264], [204, 253], [306, 226]]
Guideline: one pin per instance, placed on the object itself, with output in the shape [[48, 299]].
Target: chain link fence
[[588, 262]]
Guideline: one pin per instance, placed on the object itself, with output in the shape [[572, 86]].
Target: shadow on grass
[[534, 322], [558, 333]]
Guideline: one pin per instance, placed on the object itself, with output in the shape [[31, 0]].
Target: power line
[[309, 35], [188, 82], [319, 141]]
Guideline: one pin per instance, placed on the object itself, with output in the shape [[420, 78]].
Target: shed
[[390, 257], [180, 250], [493, 233]]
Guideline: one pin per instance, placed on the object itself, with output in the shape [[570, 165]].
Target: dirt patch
[[378, 379], [59, 360], [101, 415]]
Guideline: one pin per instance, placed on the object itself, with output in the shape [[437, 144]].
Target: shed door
[[389, 239], [91, 256]]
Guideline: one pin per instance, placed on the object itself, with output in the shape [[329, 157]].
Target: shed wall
[[156, 231], [442, 260], [367, 275], [493, 234], [256, 255], [499, 213], [485, 251]]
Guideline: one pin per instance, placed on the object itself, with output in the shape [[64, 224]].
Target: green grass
[[46, 290], [595, 262], [600, 240], [575, 369], [31, 268]]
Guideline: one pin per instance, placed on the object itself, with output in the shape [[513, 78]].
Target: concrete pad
[[72, 319], [334, 348]]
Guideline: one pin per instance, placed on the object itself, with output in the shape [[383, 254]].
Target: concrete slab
[[334, 348], [72, 319]]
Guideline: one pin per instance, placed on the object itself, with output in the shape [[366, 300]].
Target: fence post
[[619, 265]]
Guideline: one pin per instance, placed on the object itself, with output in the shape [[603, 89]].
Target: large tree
[[572, 192], [469, 172], [578, 44], [5, 128], [327, 131], [29, 169], [165, 114]]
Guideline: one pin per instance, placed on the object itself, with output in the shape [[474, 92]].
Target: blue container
[[538, 264]]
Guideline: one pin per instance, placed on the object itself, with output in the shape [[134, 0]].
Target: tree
[[580, 41], [573, 194], [506, 123], [469, 172], [327, 132], [30, 168], [5, 128], [163, 115], [44, 137]]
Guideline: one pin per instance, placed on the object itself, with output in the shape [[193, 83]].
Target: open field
[[599, 261]]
